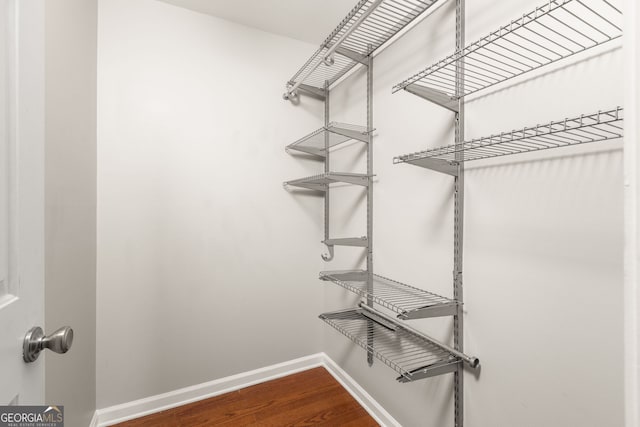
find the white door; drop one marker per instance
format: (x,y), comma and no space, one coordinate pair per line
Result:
(21,195)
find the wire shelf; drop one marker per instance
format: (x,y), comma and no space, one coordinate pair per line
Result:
(407,301)
(314,143)
(387,18)
(554,31)
(410,355)
(321,182)
(600,126)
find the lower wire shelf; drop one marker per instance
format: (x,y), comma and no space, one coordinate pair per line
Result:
(410,355)
(406,301)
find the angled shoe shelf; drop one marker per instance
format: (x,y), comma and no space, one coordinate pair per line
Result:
(411,354)
(596,127)
(556,30)
(333,134)
(406,301)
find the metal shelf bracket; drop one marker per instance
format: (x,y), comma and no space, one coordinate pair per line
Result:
(348,241)
(437,97)
(352,54)
(437,165)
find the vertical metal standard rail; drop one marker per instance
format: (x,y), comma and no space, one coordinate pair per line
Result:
(370,192)
(326,170)
(458,323)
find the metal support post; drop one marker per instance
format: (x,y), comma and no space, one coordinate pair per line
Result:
(370,191)
(327,168)
(458,321)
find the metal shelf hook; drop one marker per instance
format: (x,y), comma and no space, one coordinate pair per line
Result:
(329,256)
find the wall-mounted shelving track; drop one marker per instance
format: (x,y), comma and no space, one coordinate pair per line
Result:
(583,129)
(556,30)
(412,354)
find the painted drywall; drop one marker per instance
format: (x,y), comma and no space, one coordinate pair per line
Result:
(631,186)
(206,265)
(204,262)
(543,251)
(289,18)
(70,197)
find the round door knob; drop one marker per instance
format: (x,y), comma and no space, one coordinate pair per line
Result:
(35,341)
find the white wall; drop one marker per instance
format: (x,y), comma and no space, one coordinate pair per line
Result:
(543,238)
(631,184)
(70,269)
(206,265)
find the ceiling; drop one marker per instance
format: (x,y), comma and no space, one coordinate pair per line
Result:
(307,20)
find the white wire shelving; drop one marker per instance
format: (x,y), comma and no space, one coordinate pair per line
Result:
(369,25)
(337,133)
(406,301)
(322,181)
(596,127)
(556,30)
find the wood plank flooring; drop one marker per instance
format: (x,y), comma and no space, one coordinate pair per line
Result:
(309,398)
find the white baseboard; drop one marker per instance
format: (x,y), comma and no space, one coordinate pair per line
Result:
(365,400)
(139,408)
(94,420)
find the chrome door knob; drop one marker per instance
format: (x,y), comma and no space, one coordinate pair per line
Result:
(35,341)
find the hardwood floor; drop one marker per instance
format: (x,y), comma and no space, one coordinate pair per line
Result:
(309,398)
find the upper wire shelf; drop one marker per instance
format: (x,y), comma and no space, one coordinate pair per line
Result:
(600,126)
(409,354)
(369,25)
(322,181)
(554,31)
(407,301)
(338,133)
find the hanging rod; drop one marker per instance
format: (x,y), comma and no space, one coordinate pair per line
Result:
(369,25)
(596,127)
(556,30)
(411,356)
(473,362)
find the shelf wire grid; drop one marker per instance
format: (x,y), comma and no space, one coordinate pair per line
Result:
(389,17)
(554,31)
(400,349)
(322,181)
(407,301)
(314,143)
(600,126)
